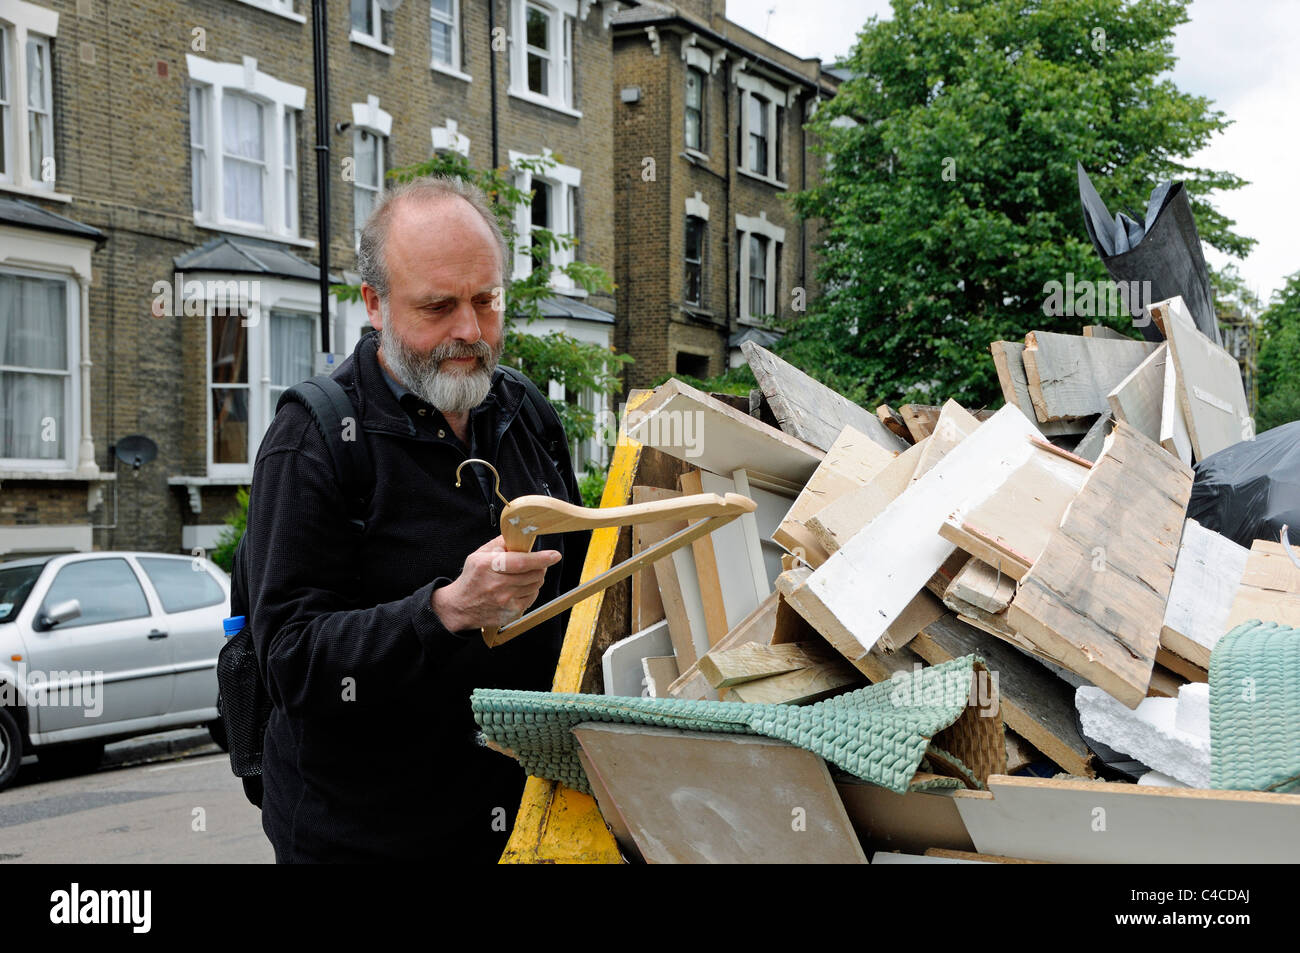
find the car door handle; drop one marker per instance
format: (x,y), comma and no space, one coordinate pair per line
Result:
(157,634)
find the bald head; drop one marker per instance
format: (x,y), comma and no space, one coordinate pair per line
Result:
(434,203)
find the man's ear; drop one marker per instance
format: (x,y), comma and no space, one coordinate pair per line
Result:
(373,310)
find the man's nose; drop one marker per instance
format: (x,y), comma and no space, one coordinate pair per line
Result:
(466,327)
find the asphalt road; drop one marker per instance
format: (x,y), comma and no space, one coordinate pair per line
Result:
(166,798)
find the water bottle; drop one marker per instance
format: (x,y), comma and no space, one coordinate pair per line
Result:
(233,624)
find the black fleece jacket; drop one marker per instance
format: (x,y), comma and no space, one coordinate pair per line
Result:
(371,751)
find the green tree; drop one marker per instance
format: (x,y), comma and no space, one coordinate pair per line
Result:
(554,356)
(1279,358)
(952,194)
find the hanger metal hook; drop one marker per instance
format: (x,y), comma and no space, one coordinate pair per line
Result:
(496,476)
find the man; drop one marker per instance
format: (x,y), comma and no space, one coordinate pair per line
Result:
(371,644)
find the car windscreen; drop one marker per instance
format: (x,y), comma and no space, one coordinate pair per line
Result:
(15,586)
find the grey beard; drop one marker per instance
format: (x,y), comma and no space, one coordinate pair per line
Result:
(451,391)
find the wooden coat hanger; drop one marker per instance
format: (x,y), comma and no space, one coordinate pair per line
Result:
(526,518)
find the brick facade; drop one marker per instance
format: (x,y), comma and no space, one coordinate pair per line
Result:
(652,51)
(122,148)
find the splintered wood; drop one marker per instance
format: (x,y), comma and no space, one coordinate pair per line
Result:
(1069,376)
(807,408)
(1095,599)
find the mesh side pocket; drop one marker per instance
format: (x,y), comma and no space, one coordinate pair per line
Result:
(245,704)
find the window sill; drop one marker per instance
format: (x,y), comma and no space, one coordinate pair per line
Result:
(765,179)
(28,190)
(362,39)
(295,17)
(70,476)
(531,97)
(194,485)
(695,155)
(252,232)
(446,70)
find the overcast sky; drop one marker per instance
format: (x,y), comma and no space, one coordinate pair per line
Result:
(1240,53)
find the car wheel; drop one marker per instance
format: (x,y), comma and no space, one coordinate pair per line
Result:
(11,748)
(77,757)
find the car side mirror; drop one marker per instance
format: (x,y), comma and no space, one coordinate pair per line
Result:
(62,612)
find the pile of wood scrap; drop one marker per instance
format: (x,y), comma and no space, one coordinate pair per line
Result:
(1048,537)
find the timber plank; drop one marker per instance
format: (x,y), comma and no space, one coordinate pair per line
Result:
(692,426)
(1008,360)
(706,568)
(853,460)
(1206,578)
(1095,599)
(808,409)
(836,522)
(864,586)
(1209,384)
(745,663)
(1035,703)
(1139,398)
(1174,435)
(802,686)
(1270,587)
(1069,375)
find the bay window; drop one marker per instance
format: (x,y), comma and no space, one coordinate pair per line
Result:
(38,355)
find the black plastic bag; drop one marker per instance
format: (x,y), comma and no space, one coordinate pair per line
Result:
(1250,490)
(1165,250)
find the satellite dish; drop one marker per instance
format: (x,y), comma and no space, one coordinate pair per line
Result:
(136,450)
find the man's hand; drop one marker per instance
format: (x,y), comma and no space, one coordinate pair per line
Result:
(494,588)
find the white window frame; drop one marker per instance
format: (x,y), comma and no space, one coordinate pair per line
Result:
(448,138)
(7,111)
(70,423)
(367,117)
(456,68)
(757,225)
(23,22)
(277,98)
(560,74)
(374,41)
(750,86)
(265,296)
(283,8)
(564,180)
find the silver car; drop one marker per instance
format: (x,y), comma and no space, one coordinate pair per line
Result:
(95,647)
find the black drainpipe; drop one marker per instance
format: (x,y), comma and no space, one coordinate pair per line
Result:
(728,228)
(492,76)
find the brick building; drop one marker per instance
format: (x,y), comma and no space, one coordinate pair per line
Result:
(708,135)
(158,218)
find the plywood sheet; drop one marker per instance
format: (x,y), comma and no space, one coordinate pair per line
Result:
(697,797)
(1095,822)
(1095,599)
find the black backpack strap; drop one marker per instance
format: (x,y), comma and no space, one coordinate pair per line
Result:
(331,409)
(543,420)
